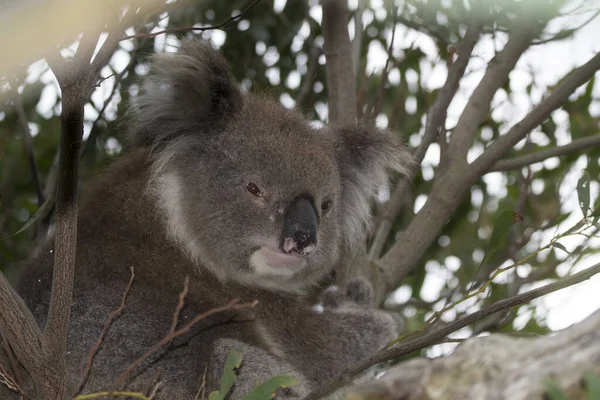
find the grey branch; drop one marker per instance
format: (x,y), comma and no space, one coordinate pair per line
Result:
(435,121)
(19,328)
(55,333)
(358,36)
(577,145)
(496,367)
(338,52)
(496,75)
(345,377)
(556,99)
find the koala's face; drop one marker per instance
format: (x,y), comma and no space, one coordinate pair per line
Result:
(247,188)
(261,202)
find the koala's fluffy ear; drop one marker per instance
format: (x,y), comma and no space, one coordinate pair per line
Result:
(366,155)
(188,92)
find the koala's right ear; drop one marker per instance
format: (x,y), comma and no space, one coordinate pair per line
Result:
(188,92)
(366,155)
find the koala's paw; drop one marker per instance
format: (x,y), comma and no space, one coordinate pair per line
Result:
(358,291)
(357,298)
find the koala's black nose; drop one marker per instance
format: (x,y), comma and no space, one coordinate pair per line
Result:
(299,228)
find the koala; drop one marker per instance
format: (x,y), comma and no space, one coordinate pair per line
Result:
(245,199)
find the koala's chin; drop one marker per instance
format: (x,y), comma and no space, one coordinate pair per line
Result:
(273,262)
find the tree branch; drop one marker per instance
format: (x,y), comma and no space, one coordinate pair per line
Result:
(341,84)
(495,77)
(344,377)
(575,146)
(435,120)
(19,328)
(28,142)
(556,99)
(55,333)
(358,36)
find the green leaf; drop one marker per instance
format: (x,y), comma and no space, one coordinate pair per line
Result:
(583,193)
(234,360)
(592,385)
(553,392)
(266,390)
(560,247)
(215,396)
(502,225)
(31,220)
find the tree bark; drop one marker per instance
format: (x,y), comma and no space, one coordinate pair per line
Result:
(496,367)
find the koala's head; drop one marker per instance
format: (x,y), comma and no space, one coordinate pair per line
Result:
(250,190)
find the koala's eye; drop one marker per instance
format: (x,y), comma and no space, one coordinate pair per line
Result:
(326,206)
(252,188)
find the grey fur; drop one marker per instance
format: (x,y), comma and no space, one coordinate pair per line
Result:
(176,205)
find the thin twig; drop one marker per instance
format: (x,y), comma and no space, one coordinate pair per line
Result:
(90,396)
(180,305)
(28,142)
(86,371)
(194,28)
(345,377)
(8,380)
(11,360)
(584,143)
(200,393)
(378,99)
(233,305)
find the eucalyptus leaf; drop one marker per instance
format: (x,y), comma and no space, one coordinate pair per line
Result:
(583,193)
(234,360)
(502,226)
(31,220)
(553,392)
(266,390)
(592,385)
(560,247)
(215,396)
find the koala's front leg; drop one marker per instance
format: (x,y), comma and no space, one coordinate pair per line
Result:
(369,328)
(257,367)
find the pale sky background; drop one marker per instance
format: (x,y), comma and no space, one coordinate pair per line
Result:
(549,63)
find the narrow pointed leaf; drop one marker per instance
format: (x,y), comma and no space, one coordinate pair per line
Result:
(592,385)
(583,193)
(560,247)
(234,360)
(31,220)
(266,390)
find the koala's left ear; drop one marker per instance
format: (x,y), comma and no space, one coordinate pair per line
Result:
(366,155)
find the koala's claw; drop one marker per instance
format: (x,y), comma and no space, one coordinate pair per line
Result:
(360,291)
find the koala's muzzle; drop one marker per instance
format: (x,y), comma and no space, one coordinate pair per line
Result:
(299,228)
